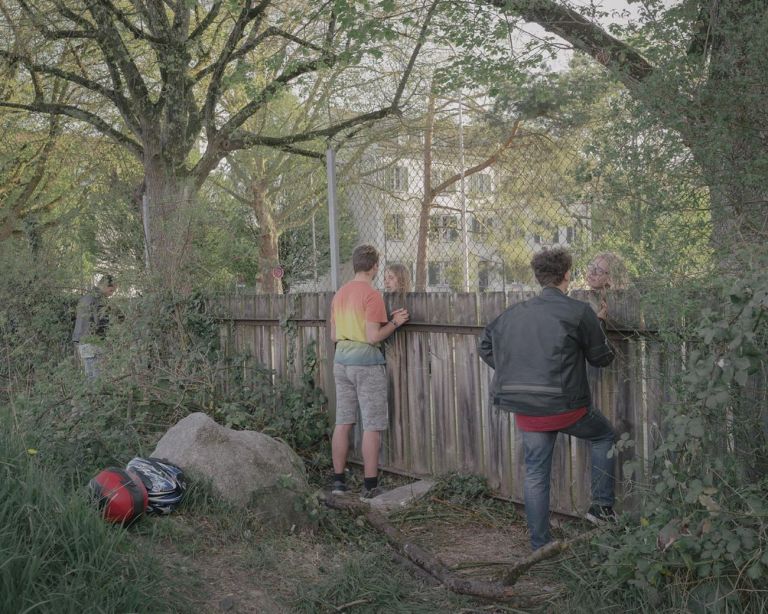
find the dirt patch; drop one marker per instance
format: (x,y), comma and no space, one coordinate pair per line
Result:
(481,552)
(242,572)
(229,588)
(230,567)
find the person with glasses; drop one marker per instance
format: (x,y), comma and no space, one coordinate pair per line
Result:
(606,271)
(610,290)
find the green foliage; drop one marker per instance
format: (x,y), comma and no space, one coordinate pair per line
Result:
(36,316)
(701,539)
(460,488)
(59,555)
(292,411)
(162,360)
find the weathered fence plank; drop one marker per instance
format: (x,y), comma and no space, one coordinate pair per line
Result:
(440,414)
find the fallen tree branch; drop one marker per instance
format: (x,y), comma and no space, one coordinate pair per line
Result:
(549,551)
(429,562)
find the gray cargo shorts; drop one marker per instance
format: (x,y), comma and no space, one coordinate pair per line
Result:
(363,387)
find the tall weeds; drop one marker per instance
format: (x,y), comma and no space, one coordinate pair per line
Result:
(58,555)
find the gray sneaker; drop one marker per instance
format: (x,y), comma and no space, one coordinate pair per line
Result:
(370,493)
(339,488)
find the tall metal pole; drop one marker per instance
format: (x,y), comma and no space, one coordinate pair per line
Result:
(464,233)
(314,250)
(330,163)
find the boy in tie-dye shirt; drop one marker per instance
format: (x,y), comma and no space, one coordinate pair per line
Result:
(358,324)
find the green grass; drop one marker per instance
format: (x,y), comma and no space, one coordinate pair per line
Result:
(58,555)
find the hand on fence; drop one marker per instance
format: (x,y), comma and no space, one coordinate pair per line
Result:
(400,317)
(602,310)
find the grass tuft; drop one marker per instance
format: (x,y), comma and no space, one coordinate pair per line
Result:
(58,555)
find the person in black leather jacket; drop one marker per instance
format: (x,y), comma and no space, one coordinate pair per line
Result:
(538,350)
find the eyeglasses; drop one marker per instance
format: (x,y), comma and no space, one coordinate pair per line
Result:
(594,269)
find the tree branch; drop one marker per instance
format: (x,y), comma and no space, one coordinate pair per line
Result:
(480,166)
(116,98)
(300,151)
(86,32)
(241,199)
(116,55)
(231,138)
(81,115)
(253,41)
(17,205)
(241,116)
(414,54)
(219,66)
(206,21)
(429,562)
(242,139)
(130,26)
(583,34)
(274,31)
(156,17)
(549,551)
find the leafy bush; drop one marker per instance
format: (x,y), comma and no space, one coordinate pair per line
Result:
(701,539)
(163,360)
(37,307)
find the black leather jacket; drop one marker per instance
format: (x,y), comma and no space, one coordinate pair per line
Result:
(538,348)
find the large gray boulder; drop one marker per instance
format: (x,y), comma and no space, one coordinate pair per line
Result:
(247,468)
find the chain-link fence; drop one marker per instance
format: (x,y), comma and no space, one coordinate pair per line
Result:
(462,209)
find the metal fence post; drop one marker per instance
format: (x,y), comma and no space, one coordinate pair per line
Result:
(330,159)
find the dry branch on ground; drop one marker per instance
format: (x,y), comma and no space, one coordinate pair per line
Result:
(431,564)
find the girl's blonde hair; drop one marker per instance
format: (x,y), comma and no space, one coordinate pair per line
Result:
(403,276)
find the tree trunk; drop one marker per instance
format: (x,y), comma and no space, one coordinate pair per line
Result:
(269,253)
(422,245)
(171,223)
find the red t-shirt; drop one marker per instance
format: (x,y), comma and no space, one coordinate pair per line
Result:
(549,423)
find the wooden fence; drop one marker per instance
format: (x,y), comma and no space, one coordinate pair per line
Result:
(440,419)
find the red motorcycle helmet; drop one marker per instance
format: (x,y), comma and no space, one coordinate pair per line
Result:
(120,495)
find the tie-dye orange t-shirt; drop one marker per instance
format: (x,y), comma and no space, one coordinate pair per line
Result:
(354,304)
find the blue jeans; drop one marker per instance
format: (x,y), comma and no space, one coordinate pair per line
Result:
(593,427)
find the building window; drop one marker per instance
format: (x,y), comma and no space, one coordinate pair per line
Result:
(437,273)
(480,183)
(570,234)
(397,178)
(555,236)
(443,228)
(394,227)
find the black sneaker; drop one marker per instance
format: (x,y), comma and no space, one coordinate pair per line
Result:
(338,488)
(370,493)
(601,514)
